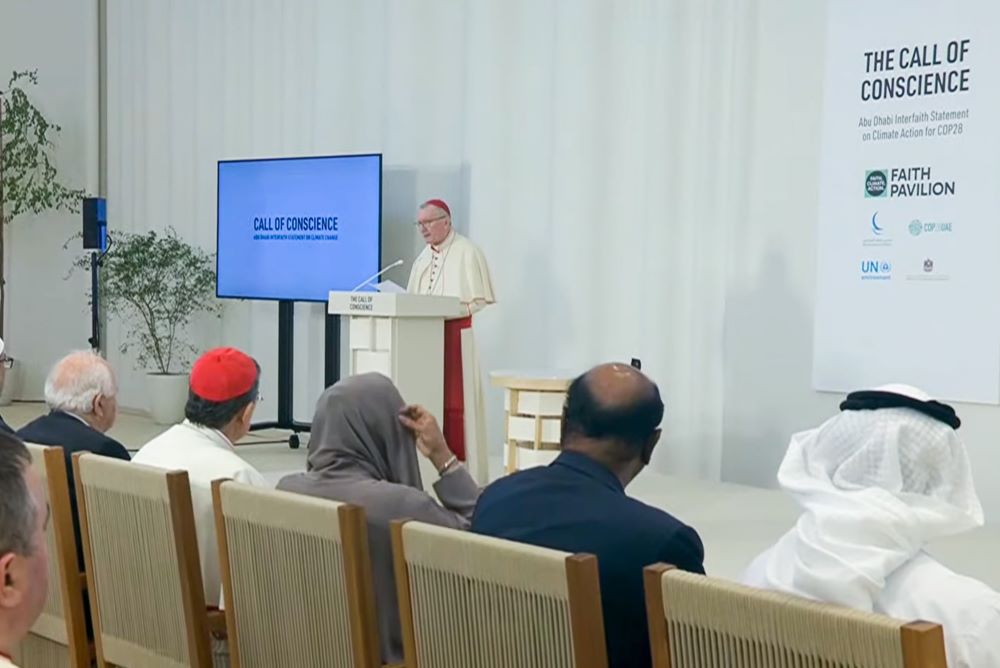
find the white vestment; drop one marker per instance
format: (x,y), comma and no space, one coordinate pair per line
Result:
(875,487)
(456,268)
(207,455)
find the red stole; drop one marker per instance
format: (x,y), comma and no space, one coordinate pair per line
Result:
(454,395)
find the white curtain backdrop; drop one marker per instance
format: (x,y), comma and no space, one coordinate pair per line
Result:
(47,310)
(596,150)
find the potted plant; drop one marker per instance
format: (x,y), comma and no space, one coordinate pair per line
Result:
(29,181)
(155,283)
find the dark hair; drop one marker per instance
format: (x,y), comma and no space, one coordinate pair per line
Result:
(217,414)
(631,424)
(17,508)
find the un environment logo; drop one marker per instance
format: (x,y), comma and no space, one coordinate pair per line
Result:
(875,183)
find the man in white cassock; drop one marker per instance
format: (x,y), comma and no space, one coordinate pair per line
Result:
(877,483)
(452,266)
(222,397)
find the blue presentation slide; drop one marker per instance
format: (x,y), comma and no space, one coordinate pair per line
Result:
(296,228)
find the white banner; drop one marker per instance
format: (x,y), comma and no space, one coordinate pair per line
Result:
(908,246)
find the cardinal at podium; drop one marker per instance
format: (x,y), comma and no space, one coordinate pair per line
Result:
(451,266)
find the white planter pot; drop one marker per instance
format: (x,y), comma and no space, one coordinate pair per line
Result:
(11,385)
(167,396)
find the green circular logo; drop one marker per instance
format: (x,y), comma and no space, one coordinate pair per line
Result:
(875,183)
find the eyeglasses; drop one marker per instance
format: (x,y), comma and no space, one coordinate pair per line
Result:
(7,362)
(427,223)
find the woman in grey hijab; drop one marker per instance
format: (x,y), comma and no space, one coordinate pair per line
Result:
(363,451)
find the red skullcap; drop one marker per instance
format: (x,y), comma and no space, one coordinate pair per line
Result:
(222,374)
(439,203)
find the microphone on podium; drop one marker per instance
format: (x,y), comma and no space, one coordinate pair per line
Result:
(377,274)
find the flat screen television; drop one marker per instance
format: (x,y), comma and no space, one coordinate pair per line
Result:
(295,228)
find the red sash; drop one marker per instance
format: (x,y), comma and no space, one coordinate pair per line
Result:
(454,395)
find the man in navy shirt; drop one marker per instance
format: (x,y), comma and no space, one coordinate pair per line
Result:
(578,503)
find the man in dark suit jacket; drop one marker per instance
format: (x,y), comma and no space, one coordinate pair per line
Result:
(578,503)
(80,392)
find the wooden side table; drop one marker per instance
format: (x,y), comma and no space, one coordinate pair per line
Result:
(533,405)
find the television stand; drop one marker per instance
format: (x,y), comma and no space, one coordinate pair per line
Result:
(286,373)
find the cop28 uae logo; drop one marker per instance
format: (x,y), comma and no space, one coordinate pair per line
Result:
(876,183)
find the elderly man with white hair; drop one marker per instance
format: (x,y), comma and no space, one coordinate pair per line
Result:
(80,392)
(877,483)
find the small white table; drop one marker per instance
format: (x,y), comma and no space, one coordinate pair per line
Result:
(533,405)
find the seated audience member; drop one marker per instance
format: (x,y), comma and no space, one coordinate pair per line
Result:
(24,570)
(363,450)
(4,427)
(81,395)
(578,503)
(876,483)
(222,396)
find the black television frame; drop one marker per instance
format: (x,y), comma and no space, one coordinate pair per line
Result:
(218,165)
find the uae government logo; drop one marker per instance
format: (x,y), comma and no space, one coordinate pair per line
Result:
(876,183)
(931,273)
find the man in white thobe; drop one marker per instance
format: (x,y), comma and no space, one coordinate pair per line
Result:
(877,483)
(219,410)
(451,265)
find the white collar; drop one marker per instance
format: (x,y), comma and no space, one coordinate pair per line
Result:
(217,438)
(448,240)
(74,415)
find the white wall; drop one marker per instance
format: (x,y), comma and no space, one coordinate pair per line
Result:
(770,292)
(642,176)
(579,142)
(48,315)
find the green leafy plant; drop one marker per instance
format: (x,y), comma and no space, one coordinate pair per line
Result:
(156,283)
(29,181)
